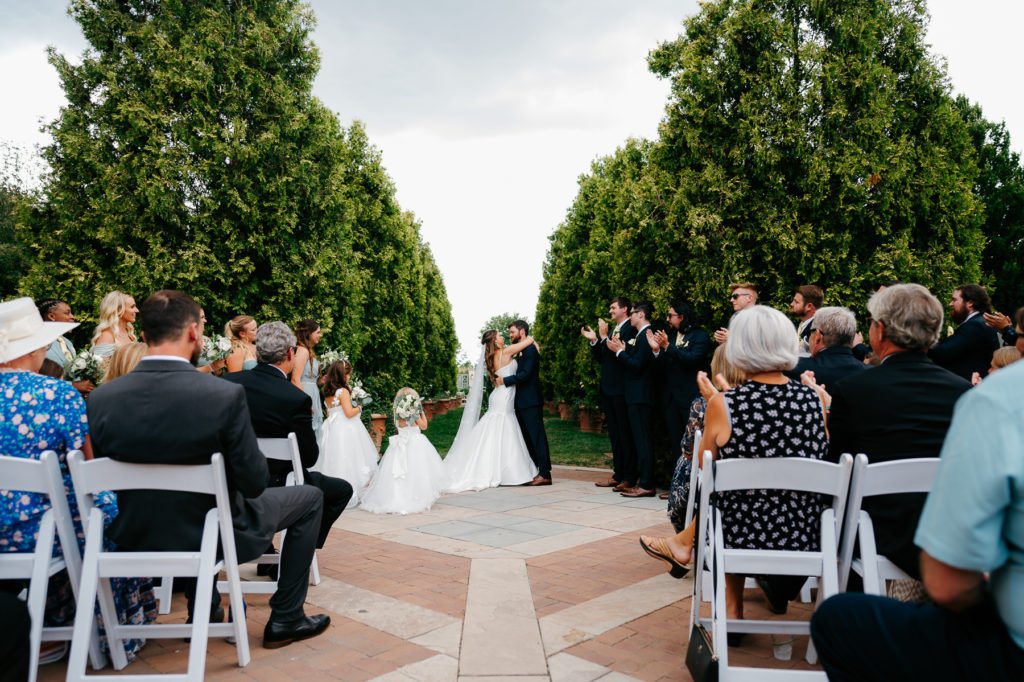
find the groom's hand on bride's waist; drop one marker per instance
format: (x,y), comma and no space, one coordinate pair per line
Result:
(499,380)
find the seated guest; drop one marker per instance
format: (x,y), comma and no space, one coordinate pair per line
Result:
(51,369)
(970,347)
(898,410)
(166,412)
(43,413)
(831,344)
(124,360)
(62,351)
(744,422)
(971,564)
(277,407)
(1006,355)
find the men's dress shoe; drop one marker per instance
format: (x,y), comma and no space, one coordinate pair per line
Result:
(216,616)
(637,492)
(540,480)
(277,635)
(625,485)
(267,570)
(609,483)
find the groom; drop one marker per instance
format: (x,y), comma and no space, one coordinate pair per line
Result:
(529,402)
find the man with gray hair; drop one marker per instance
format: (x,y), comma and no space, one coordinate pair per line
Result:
(898,410)
(831,345)
(276,408)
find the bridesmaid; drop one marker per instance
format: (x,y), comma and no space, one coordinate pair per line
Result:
(116,327)
(306,370)
(242,332)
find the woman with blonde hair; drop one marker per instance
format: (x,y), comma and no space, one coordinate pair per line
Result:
(241,329)
(116,328)
(124,360)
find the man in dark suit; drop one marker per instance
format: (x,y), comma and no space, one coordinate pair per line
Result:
(166,412)
(970,347)
(898,410)
(681,353)
(637,358)
(613,400)
(529,401)
(277,407)
(831,343)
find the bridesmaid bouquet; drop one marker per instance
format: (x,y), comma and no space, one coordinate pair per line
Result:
(216,348)
(408,408)
(85,367)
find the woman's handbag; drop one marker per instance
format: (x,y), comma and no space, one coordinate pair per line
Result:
(701,660)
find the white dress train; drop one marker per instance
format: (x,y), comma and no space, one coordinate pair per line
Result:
(347,451)
(408,479)
(494,453)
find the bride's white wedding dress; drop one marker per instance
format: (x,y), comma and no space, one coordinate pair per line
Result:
(494,452)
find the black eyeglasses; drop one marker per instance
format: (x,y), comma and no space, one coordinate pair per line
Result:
(735,296)
(671,315)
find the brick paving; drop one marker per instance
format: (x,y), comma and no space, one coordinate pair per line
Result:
(398,597)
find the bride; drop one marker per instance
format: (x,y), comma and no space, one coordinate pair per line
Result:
(490,451)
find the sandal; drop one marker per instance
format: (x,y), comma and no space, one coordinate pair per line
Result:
(675,569)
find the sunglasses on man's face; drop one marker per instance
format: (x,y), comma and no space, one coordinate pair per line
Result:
(735,296)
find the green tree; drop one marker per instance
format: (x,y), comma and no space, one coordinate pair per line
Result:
(501,322)
(13,195)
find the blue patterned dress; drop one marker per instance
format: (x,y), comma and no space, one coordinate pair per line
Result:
(39,413)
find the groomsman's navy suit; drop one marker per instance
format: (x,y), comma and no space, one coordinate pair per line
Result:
(680,363)
(638,360)
(969,349)
(529,402)
(613,404)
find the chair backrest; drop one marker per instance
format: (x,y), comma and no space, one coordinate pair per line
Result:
(694,475)
(284,450)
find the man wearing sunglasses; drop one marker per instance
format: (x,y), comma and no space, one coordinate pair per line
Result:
(743,295)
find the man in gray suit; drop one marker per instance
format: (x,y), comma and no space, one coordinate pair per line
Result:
(166,412)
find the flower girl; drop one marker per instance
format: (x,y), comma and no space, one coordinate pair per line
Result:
(346,449)
(409,477)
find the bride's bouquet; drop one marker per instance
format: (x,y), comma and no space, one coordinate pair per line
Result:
(84,367)
(359,395)
(408,408)
(215,348)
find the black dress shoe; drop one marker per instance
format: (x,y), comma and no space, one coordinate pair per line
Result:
(267,571)
(277,635)
(216,616)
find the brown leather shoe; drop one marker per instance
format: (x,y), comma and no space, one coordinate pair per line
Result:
(663,496)
(610,482)
(637,492)
(625,485)
(539,480)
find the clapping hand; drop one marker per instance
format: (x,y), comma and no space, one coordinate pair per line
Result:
(602,327)
(722,335)
(589,334)
(996,320)
(615,345)
(858,339)
(652,340)
(975,378)
(707,389)
(662,338)
(807,379)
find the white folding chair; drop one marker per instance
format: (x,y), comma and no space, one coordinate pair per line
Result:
(93,476)
(790,473)
(869,480)
(284,450)
(694,476)
(43,476)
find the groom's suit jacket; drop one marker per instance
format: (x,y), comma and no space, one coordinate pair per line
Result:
(527,379)
(278,407)
(166,412)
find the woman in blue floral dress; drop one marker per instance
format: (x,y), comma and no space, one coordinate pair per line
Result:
(37,414)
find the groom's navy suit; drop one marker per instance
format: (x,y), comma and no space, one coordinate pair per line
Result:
(529,402)
(638,360)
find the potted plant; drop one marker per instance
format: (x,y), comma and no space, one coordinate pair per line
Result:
(591,419)
(378,424)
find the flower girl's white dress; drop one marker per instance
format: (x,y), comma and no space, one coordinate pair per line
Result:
(346,450)
(408,479)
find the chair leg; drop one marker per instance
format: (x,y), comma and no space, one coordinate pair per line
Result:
(85,620)
(314,571)
(164,594)
(111,624)
(37,591)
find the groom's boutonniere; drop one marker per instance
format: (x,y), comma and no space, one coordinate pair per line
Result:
(517,355)
(681,342)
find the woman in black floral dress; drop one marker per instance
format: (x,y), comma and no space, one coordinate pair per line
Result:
(769,416)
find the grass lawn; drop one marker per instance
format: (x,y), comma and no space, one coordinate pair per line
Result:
(568,445)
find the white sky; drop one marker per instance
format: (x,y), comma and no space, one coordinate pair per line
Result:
(487,113)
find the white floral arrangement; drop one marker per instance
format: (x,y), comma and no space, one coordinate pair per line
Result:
(215,348)
(359,395)
(84,367)
(408,408)
(329,356)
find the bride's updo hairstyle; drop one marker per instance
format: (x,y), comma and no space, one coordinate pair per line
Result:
(112,309)
(336,377)
(491,352)
(235,326)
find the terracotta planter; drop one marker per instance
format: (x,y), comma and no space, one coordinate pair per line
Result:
(440,407)
(378,422)
(428,409)
(453,403)
(591,420)
(550,406)
(563,410)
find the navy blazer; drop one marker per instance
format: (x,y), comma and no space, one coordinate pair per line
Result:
(829,366)
(613,376)
(638,361)
(681,363)
(969,349)
(166,412)
(278,407)
(527,379)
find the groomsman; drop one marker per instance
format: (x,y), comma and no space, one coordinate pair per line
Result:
(680,356)
(613,399)
(637,358)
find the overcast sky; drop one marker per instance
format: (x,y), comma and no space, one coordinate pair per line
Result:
(487,113)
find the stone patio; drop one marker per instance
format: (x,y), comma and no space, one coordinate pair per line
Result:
(504,584)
